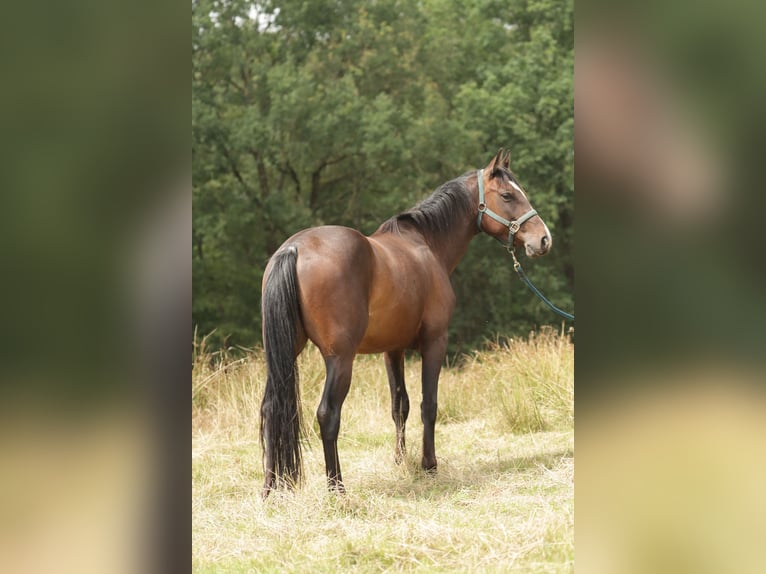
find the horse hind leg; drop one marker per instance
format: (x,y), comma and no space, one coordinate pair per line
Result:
(328,414)
(400,402)
(269,464)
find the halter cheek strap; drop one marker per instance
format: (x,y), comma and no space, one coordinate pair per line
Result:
(513,226)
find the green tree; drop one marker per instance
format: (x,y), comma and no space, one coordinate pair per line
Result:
(347,112)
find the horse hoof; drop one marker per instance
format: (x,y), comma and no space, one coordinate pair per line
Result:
(266,490)
(336,487)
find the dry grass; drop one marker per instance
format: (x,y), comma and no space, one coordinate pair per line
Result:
(502,499)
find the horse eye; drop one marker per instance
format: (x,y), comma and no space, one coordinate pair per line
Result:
(506,196)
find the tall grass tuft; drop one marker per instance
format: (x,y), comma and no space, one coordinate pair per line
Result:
(524,385)
(536,389)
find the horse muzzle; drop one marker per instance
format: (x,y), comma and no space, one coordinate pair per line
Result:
(539,246)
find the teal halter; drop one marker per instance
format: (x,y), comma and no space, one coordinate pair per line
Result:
(513,226)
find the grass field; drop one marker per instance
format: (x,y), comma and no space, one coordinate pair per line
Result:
(501,501)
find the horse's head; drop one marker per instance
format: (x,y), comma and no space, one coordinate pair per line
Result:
(505,212)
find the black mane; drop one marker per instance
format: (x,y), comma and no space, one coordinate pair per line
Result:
(437,214)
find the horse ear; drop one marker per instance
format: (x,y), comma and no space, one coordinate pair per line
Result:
(496,163)
(507,159)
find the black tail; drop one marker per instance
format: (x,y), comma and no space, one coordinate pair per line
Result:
(281,423)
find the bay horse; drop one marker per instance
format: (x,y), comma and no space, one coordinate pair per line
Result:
(385,293)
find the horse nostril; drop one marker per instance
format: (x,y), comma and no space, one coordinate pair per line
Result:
(544,241)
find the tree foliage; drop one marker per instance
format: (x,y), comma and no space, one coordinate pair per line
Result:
(349,111)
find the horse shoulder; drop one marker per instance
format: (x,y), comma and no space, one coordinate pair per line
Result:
(441,288)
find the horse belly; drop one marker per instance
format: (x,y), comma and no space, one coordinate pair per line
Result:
(391,328)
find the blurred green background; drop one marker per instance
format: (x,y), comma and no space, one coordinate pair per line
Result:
(347,112)
(669,371)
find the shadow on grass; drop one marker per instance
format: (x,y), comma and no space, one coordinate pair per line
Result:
(410,481)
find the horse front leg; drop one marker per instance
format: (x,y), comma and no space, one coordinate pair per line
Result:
(400,402)
(433,354)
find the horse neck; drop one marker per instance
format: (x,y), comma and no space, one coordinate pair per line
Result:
(454,246)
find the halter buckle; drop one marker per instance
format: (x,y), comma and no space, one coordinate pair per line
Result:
(514,227)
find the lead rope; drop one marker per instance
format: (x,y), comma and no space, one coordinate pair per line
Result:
(535,290)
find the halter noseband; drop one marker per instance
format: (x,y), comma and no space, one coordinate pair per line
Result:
(513,226)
